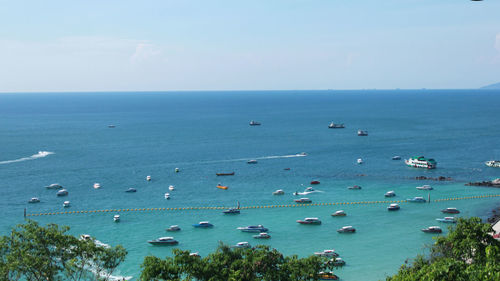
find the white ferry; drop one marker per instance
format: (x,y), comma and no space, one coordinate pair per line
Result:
(493,163)
(421,162)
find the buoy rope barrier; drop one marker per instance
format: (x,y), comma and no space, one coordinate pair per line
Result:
(251,207)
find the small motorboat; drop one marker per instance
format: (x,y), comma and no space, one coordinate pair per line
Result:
(34,200)
(131,190)
(194,254)
(97,185)
(111,126)
(262,235)
(148,178)
(346,229)
(54,186)
(312,221)
(335,126)
(303,200)
(171,187)
(232,211)
(447,220)
(220,186)
(164,241)
(416,200)
(354,187)
(393,207)
(253,161)
(286,169)
(432,229)
(279,192)
(396,157)
(253,228)
(167,196)
(254,123)
(242,245)
(203,224)
(66,204)
(174,228)
(315,182)
(177,170)
(62,192)
(225,174)
(116,218)
(337,262)
(362,133)
(327,276)
(360,161)
(424,187)
(390,194)
(302,154)
(450,211)
(327,253)
(339,213)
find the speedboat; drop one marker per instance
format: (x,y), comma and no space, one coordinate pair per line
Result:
(54,186)
(66,204)
(346,229)
(242,245)
(493,163)
(337,262)
(262,235)
(447,220)
(314,182)
(396,157)
(315,221)
(177,170)
(360,161)
(279,192)
(303,200)
(111,126)
(167,196)
(62,192)
(116,218)
(393,207)
(220,186)
(417,200)
(253,228)
(335,126)
(171,187)
(203,224)
(354,187)
(254,123)
(302,154)
(424,187)
(253,161)
(390,194)
(194,254)
(225,174)
(339,213)
(97,185)
(327,253)
(327,276)
(131,190)
(432,229)
(231,211)
(148,178)
(362,133)
(306,191)
(174,228)
(34,200)
(450,211)
(164,241)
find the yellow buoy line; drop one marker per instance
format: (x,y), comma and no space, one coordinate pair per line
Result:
(251,207)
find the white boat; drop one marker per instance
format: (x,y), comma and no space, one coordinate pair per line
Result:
(336,126)
(66,204)
(303,200)
(433,229)
(447,220)
(116,218)
(397,157)
(390,194)
(493,163)
(327,253)
(62,192)
(164,241)
(393,207)
(262,235)
(254,123)
(360,161)
(54,186)
(424,187)
(34,200)
(347,229)
(421,162)
(148,178)
(279,192)
(417,200)
(253,161)
(312,221)
(174,228)
(242,245)
(97,185)
(167,195)
(177,170)
(253,228)
(362,133)
(339,213)
(171,187)
(354,187)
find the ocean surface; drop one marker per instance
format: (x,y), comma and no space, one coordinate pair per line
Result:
(64,138)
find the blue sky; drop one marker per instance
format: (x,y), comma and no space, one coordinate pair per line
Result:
(155,45)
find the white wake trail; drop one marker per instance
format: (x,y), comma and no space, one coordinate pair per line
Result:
(40,154)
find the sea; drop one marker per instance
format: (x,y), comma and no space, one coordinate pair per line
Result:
(66,138)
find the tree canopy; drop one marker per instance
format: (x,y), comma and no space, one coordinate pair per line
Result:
(34,252)
(468,252)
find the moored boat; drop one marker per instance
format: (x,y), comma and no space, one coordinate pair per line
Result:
(315,182)
(450,211)
(131,190)
(262,235)
(62,192)
(390,194)
(362,133)
(253,161)
(327,253)
(225,174)
(97,185)
(66,204)
(164,241)
(148,178)
(421,162)
(397,157)
(360,161)
(336,126)
(34,200)
(254,123)
(493,163)
(354,187)
(220,186)
(346,229)
(116,218)
(173,228)
(231,211)
(336,262)
(313,221)
(279,192)
(203,224)
(424,187)
(171,187)
(339,213)
(447,220)
(327,276)
(416,200)
(393,207)
(54,186)
(303,200)
(242,245)
(253,228)
(432,229)
(167,196)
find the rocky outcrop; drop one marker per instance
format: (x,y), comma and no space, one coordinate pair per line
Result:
(493,183)
(441,178)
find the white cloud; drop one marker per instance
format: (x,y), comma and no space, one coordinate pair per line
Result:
(145,52)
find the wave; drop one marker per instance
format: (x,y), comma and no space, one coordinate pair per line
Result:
(40,154)
(246,159)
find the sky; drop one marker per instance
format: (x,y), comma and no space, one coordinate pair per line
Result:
(182,45)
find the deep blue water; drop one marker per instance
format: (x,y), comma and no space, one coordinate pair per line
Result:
(207,132)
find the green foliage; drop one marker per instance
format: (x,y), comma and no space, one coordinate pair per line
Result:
(226,263)
(469,252)
(34,252)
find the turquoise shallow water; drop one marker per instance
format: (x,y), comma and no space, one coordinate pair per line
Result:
(207,132)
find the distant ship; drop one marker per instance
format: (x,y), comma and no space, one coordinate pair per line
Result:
(254,123)
(421,162)
(336,126)
(362,133)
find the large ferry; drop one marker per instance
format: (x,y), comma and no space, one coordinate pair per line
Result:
(421,162)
